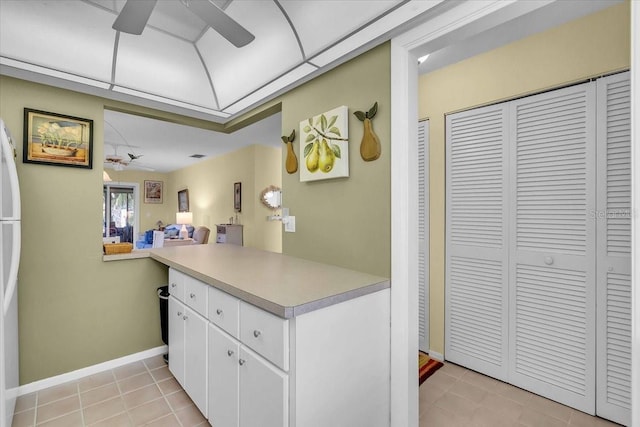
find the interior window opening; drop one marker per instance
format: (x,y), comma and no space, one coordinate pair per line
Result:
(119,208)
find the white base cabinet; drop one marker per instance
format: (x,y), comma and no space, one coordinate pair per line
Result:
(327,367)
(244,389)
(188,339)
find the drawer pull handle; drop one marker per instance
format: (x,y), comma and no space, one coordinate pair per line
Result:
(229,353)
(548,260)
(256,333)
(241,361)
(218,312)
(192,295)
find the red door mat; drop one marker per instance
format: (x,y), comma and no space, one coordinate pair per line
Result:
(426,366)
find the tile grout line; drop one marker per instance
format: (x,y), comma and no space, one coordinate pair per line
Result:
(120,394)
(80,403)
(164,396)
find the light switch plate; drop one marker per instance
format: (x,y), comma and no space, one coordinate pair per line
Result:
(290,225)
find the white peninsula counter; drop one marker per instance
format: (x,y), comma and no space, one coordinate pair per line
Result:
(264,339)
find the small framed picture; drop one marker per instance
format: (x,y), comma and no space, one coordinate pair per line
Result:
(56,139)
(237,196)
(153,191)
(183,200)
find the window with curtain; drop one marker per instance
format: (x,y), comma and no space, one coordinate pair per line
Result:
(119,211)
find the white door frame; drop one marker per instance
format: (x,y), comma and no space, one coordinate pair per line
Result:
(635,209)
(405,50)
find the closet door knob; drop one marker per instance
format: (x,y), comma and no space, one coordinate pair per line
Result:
(179,313)
(256,333)
(218,312)
(173,285)
(192,296)
(229,353)
(185,317)
(241,362)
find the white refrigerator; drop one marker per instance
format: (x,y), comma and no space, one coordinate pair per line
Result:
(9,262)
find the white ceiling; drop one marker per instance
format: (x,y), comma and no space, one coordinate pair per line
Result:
(178,63)
(166,146)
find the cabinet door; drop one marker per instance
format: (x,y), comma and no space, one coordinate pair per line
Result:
(176,339)
(264,392)
(195,359)
(223,378)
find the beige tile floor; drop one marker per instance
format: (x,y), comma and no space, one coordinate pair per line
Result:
(141,393)
(145,393)
(454,396)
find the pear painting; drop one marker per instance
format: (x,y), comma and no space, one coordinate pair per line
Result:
(324,146)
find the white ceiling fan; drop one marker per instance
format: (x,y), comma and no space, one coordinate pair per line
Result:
(118,162)
(134,16)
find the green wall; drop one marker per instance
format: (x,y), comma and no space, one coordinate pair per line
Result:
(74,309)
(588,47)
(344,221)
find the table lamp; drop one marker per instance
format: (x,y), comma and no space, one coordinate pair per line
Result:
(184,218)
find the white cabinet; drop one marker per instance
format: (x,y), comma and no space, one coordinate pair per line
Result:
(229,233)
(264,392)
(224,383)
(188,336)
(244,388)
(253,368)
(195,358)
(176,339)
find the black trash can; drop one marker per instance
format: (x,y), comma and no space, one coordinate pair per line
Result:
(163,294)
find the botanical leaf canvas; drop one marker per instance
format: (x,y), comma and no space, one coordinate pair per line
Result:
(324,145)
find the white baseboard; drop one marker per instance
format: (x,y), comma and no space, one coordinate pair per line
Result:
(89,370)
(436,356)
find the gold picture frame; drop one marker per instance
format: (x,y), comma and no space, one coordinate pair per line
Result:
(152,191)
(183,200)
(56,139)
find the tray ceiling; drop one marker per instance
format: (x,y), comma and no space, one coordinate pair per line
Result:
(180,64)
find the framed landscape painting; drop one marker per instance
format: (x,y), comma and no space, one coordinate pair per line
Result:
(153,191)
(56,139)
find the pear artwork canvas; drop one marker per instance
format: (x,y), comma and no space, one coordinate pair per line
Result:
(324,146)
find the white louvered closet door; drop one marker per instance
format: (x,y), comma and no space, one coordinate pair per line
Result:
(552,245)
(476,244)
(613,216)
(423,236)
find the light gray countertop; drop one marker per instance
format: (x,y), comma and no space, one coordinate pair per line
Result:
(283,285)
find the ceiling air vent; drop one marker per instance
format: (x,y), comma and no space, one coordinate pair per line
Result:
(197,156)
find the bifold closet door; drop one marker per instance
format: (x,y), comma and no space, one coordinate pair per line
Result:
(476,242)
(423,236)
(552,339)
(613,217)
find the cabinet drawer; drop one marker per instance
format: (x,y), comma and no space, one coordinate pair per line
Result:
(224,310)
(265,333)
(176,284)
(195,295)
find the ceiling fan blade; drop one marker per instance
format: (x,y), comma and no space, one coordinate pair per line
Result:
(217,19)
(134,16)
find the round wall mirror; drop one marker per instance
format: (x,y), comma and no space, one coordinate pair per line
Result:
(271,197)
